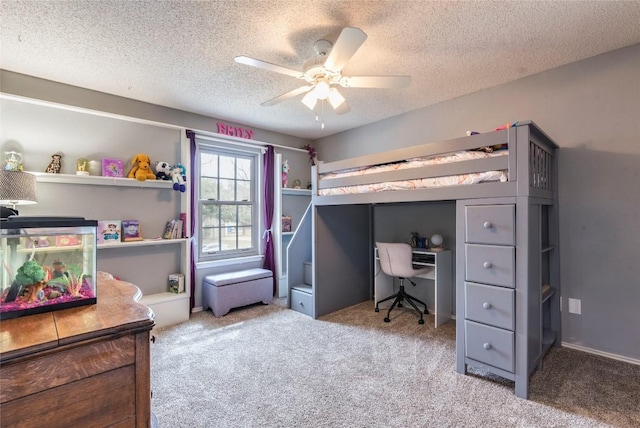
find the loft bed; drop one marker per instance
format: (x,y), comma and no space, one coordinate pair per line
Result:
(521,165)
(516,185)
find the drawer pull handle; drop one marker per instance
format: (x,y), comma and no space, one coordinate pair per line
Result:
(487,346)
(487,265)
(486,305)
(301,304)
(487,225)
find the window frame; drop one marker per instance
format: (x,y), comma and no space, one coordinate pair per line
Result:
(216,147)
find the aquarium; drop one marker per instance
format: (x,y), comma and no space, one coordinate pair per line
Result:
(48,263)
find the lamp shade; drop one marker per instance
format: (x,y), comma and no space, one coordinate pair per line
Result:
(17,188)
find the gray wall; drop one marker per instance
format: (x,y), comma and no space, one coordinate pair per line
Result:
(592,110)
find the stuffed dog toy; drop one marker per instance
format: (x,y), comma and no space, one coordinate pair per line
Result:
(141,170)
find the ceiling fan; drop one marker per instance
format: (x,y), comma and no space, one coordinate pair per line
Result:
(323,73)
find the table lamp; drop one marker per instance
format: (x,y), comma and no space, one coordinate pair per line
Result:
(16,188)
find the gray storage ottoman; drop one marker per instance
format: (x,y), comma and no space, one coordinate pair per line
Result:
(223,291)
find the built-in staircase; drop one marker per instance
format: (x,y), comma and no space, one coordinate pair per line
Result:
(300,267)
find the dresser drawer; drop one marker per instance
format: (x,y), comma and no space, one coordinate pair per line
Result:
(302,302)
(491,224)
(489,345)
(490,264)
(490,305)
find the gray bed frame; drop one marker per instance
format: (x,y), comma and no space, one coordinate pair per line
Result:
(342,236)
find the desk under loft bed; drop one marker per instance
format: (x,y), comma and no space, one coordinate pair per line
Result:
(506,261)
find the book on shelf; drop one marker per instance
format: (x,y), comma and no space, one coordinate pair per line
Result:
(168,229)
(183,218)
(109,231)
(173,229)
(131,230)
(176,283)
(177,230)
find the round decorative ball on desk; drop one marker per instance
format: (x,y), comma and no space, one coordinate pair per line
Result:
(436,242)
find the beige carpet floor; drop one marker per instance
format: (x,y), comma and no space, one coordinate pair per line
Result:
(267,366)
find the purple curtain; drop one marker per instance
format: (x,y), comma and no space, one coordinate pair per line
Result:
(192,179)
(269,260)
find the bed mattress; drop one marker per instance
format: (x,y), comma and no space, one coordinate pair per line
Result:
(421,183)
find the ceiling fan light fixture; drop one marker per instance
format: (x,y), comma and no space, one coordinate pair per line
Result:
(335,98)
(310,100)
(322,89)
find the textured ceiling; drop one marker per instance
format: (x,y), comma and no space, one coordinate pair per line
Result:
(180,54)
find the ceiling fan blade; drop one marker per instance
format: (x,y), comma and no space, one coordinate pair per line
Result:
(268,66)
(349,41)
(287,95)
(393,82)
(343,108)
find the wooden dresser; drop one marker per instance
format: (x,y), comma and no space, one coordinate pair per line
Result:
(84,366)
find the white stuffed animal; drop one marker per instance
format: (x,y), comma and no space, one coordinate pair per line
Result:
(178,177)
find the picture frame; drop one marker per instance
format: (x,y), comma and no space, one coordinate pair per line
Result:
(286,223)
(131,230)
(112,167)
(109,231)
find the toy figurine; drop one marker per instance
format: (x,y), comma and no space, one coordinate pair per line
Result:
(55,165)
(82,166)
(59,269)
(178,176)
(285,171)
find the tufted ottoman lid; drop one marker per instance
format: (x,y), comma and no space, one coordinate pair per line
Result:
(222,279)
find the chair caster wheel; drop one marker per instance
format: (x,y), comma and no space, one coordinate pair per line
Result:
(377,310)
(387,320)
(420,321)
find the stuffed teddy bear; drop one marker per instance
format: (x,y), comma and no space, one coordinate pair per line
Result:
(141,170)
(163,170)
(178,177)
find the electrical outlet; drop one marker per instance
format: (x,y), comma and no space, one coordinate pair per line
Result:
(575,306)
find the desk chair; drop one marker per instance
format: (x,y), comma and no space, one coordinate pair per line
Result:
(396,261)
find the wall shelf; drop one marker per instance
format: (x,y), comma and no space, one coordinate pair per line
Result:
(93,180)
(143,243)
(163,297)
(296,192)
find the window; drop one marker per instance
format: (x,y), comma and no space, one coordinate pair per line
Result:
(228,207)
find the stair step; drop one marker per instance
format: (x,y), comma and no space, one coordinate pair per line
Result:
(304,288)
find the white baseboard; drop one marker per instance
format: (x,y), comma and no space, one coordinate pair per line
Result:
(601,353)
